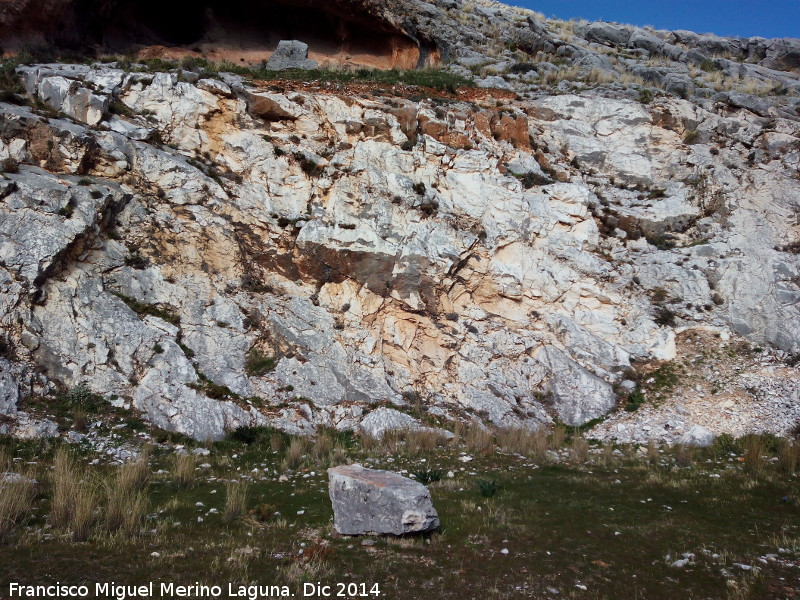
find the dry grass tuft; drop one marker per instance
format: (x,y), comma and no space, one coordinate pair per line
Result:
(5,461)
(557,437)
(523,441)
(64,481)
(183,466)
(684,455)
(754,454)
(323,445)
(788,456)
(653,454)
(579,449)
(477,438)
(135,475)
(235,500)
(74,505)
(606,456)
(422,441)
(16,503)
(315,563)
(294,455)
(126,497)
(564,73)
(80,420)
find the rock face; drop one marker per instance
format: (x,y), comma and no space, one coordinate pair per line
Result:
(9,388)
(212,251)
(290,54)
(372,501)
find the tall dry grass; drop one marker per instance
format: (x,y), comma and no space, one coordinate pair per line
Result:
(653,455)
(16,503)
(523,441)
(422,441)
(754,447)
(235,500)
(475,437)
(127,501)
(558,436)
(183,466)
(323,445)
(74,506)
(579,449)
(788,456)
(294,455)
(684,455)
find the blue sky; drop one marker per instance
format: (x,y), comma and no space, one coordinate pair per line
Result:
(766,18)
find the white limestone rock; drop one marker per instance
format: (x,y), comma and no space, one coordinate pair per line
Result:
(372,501)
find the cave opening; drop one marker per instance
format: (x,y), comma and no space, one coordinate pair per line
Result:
(243,31)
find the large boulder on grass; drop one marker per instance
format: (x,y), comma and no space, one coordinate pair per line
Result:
(373,501)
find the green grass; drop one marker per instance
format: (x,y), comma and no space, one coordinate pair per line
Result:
(437,79)
(606,525)
(259,364)
(142,308)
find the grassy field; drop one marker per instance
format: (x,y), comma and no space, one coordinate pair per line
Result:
(560,519)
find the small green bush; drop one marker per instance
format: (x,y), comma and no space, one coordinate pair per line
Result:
(9,165)
(115,107)
(635,400)
(645,96)
(426,476)
(81,396)
(247,434)
(532,179)
(664,317)
(487,487)
(724,445)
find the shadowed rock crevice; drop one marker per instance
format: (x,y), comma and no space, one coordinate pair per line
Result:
(236,30)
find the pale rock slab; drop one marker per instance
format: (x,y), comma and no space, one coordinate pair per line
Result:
(373,501)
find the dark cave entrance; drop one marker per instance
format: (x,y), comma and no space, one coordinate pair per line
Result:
(244,31)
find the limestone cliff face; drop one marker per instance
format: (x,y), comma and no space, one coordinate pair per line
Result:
(491,254)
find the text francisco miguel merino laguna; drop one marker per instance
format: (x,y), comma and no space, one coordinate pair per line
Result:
(193,591)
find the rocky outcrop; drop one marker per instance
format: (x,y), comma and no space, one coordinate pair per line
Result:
(510,264)
(214,252)
(384,420)
(371,501)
